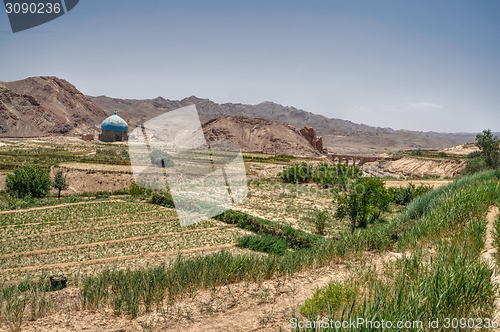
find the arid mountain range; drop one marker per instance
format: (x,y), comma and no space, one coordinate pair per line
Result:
(339,136)
(41,106)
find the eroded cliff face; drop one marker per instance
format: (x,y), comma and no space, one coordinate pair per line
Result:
(316,141)
(258,135)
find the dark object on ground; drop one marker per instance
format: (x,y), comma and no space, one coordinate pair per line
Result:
(57,282)
(103,196)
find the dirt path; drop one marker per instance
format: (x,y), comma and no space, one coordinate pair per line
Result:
(489,252)
(404,183)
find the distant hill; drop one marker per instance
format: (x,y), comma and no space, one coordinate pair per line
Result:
(340,136)
(40,106)
(258,135)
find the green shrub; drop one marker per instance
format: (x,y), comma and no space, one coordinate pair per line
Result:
(29,181)
(442,154)
(403,196)
(398,155)
(475,165)
(135,189)
(328,298)
(320,222)
(417,152)
(297,174)
(323,174)
(365,197)
(475,154)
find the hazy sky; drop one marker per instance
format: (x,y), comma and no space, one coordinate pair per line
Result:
(418,65)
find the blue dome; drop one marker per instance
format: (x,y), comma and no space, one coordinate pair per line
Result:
(114,122)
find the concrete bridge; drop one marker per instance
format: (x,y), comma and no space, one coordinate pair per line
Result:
(353,160)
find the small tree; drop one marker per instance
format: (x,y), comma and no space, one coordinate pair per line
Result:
(60,182)
(489,147)
(28,181)
(359,201)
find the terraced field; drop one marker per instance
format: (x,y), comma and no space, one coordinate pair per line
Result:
(69,238)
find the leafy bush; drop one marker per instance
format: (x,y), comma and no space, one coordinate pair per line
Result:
(163,199)
(403,196)
(296,174)
(323,174)
(135,189)
(270,244)
(475,154)
(443,154)
(29,181)
(475,165)
(417,152)
(364,198)
(398,155)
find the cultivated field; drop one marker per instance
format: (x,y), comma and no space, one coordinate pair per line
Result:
(76,237)
(131,266)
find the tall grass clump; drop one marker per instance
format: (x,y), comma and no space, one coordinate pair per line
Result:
(297,239)
(425,203)
(270,244)
(451,209)
(452,282)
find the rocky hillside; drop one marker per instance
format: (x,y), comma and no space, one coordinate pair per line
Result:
(23,116)
(336,133)
(39,106)
(259,135)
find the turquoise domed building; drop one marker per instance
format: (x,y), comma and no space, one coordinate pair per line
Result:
(113,129)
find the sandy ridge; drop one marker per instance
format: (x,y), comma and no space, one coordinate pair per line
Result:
(489,253)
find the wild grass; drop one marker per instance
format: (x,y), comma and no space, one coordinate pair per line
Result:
(450,282)
(297,239)
(270,244)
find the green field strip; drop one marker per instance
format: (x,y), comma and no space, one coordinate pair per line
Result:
(93,235)
(174,241)
(74,211)
(111,260)
(60,226)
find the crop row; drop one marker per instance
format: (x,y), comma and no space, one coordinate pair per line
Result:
(36,229)
(73,212)
(179,241)
(93,235)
